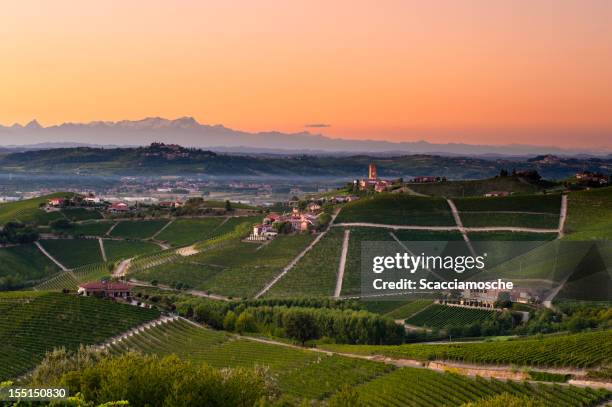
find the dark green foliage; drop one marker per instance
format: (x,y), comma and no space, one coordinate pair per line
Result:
(17,233)
(151,381)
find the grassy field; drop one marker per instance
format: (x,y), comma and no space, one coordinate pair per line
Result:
(76,214)
(474,187)
(398,209)
(29,329)
(24,264)
(578,350)
(141,229)
(117,249)
(187,231)
(589,215)
(73,252)
(520,203)
(28,209)
(316,273)
(442,316)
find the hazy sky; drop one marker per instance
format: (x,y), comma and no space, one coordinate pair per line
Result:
(495,72)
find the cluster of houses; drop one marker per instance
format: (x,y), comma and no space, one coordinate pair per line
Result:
(373,182)
(592,178)
(297,220)
(489,298)
(92,201)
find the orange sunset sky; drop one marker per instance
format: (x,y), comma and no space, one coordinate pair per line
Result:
(486,72)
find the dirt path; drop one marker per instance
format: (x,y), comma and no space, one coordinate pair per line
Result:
(393,235)
(342,265)
(196,293)
(562,217)
(110,230)
(102,251)
(53,259)
(498,372)
(459,223)
(162,229)
(297,258)
(446,228)
(121,269)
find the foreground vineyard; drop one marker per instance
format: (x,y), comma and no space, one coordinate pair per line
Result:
(578,350)
(419,387)
(298,372)
(314,375)
(31,325)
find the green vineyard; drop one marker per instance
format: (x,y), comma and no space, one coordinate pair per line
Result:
(398,209)
(314,375)
(33,325)
(442,316)
(420,387)
(581,350)
(70,279)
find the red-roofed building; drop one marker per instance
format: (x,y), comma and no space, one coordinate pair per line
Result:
(106,289)
(56,201)
(118,207)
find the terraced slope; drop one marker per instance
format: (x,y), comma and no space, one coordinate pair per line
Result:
(36,323)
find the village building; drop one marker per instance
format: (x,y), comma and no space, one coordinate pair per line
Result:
(106,289)
(56,202)
(592,177)
(426,179)
(496,193)
(373,182)
(118,207)
(313,207)
(171,204)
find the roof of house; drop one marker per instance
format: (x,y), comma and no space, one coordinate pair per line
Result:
(105,285)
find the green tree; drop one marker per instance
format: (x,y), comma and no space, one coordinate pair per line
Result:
(300,326)
(229,322)
(246,323)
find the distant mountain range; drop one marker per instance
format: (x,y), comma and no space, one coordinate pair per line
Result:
(188,132)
